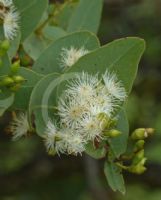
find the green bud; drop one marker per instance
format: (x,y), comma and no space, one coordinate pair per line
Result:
(7,81)
(102,116)
(112,122)
(142,133)
(139,145)
(15,87)
(58,138)
(52,152)
(104,120)
(139,134)
(138,169)
(138,157)
(143,160)
(15,67)
(112,133)
(150,131)
(18,79)
(5,45)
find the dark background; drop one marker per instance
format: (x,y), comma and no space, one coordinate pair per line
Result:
(28,173)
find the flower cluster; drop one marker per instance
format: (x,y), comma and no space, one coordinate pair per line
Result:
(10,18)
(85,112)
(85,109)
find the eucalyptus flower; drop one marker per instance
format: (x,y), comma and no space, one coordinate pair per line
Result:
(6,3)
(54,139)
(19,126)
(103,103)
(85,111)
(114,86)
(10,19)
(69,56)
(71,111)
(74,142)
(63,140)
(11,24)
(90,127)
(83,86)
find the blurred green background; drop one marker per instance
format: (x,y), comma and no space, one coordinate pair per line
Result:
(28,173)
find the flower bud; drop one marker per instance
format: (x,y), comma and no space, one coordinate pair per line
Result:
(104,120)
(15,87)
(150,131)
(138,169)
(15,67)
(112,123)
(58,138)
(5,45)
(7,81)
(112,133)
(139,134)
(18,79)
(143,160)
(52,152)
(138,157)
(139,145)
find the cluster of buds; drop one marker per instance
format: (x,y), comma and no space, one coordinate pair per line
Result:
(12,81)
(142,133)
(137,157)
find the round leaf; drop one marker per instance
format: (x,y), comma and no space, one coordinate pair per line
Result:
(114,177)
(120,56)
(6,100)
(22,96)
(90,18)
(31,12)
(49,60)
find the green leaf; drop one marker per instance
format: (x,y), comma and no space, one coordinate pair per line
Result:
(22,96)
(14,46)
(31,12)
(96,153)
(42,102)
(114,177)
(86,16)
(44,98)
(35,45)
(5,68)
(62,19)
(121,56)
(119,144)
(2,37)
(6,100)
(53,33)
(49,60)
